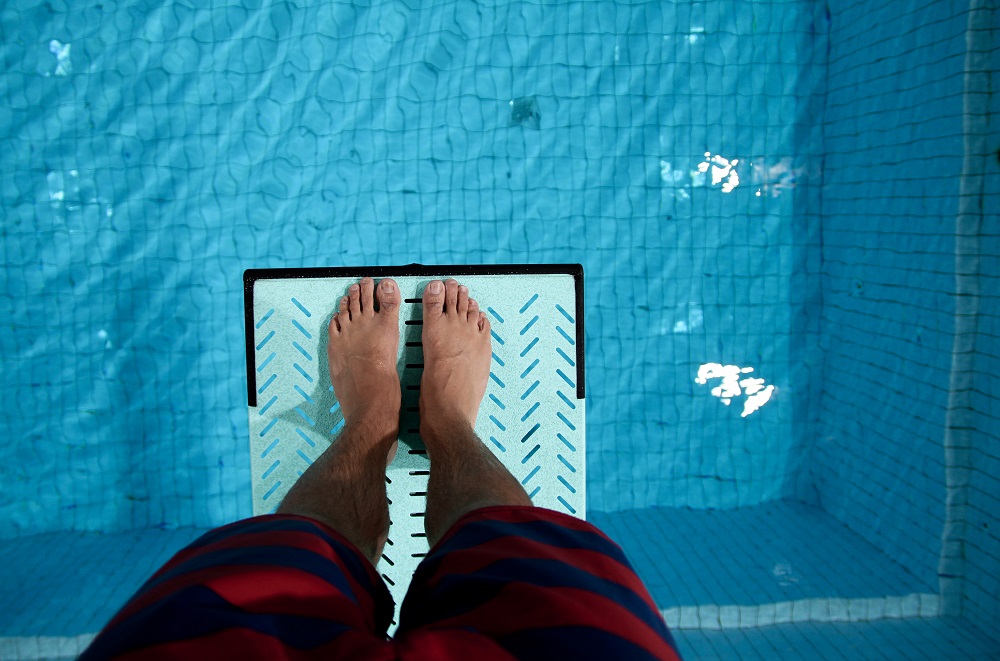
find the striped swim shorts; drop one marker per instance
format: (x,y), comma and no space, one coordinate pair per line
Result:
(504,583)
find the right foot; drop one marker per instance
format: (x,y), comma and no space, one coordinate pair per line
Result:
(362,357)
(457,352)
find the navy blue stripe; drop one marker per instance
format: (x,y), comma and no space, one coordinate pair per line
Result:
(255,525)
(550,532)
(355,564)
(574,643)
(197,611)
(456,594)
(475,533)
(254,557)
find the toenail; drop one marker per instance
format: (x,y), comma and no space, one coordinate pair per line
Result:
(354,288)
(386,286)
(435,287)
(463,289)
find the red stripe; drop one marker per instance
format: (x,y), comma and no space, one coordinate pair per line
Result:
(262,589)
(522,607)
(304,540)
(471,560)
(248,644)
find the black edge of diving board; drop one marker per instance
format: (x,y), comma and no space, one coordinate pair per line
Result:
(250,276)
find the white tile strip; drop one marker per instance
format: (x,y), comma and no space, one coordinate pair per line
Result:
(804,610)
(44,648)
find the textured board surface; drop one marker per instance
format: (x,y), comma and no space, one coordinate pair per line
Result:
(532,417)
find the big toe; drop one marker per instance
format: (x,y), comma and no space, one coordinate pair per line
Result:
(433,299)
(388,297)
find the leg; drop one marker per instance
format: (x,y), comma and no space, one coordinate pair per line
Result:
(465,475)
(269,587)
(345,487)
(503,579)
(286,586)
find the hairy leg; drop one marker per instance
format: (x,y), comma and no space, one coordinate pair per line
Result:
(465,475)
(345,487)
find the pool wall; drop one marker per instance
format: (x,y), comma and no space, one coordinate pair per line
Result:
(909,365)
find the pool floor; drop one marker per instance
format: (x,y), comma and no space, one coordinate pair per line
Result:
(780,580)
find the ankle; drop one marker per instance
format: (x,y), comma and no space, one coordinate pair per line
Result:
(374,423)
(440,411)
(440,427)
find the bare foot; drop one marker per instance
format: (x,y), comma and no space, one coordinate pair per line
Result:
(362,351)
(457,351)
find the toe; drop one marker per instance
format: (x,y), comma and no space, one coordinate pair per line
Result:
(473,310)
(367,296)
(484,323)
(345,312)
(388,296)
(433,299)
(354,294)
(450,295)
(463,301)
(334,327)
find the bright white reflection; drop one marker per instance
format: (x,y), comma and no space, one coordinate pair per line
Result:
(723,171)
(731,386)
(713,171)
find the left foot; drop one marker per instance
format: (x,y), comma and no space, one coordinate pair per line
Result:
(362,352)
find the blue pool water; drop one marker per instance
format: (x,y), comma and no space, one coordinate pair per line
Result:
(786,211)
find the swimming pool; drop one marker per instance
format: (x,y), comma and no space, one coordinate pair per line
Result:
(784,214)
